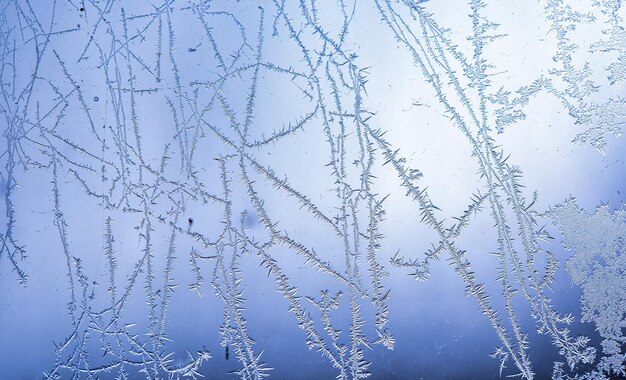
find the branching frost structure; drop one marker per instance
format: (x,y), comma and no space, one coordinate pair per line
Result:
(168,133)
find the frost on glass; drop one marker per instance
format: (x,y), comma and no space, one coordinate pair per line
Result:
(598,266)
(240,189)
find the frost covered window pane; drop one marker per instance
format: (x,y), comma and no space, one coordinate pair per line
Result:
(302,189)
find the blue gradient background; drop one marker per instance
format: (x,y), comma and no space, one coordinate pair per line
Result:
(440,333)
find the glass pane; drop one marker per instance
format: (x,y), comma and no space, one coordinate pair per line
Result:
(312,189)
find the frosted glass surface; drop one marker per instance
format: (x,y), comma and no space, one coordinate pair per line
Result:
(306,189)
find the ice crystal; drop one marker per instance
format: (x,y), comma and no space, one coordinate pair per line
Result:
(207,171)
(598,266)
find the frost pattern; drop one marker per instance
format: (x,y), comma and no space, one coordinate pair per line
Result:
(598,265)
(202,209)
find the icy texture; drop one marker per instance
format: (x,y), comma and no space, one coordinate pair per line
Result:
(598,265)
(213,146)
